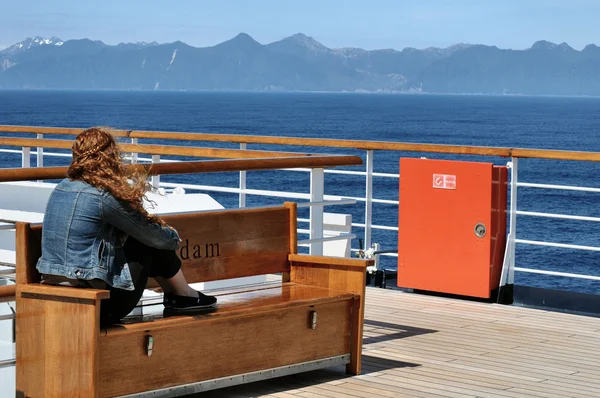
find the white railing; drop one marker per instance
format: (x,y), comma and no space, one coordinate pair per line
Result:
(509,260)
(7,363)
(317,199)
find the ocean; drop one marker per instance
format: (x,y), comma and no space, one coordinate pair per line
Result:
(505,121)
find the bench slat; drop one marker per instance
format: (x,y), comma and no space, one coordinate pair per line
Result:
(228,244)
(213,269)
(331,261)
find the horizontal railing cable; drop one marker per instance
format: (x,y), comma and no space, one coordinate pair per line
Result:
(556,273)
(558,245)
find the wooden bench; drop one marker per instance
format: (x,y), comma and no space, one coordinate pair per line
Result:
(312,319)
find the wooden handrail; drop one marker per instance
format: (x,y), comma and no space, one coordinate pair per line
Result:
(7,292)
(320,142)
(208,166)
(156,149)
(54,130)
(33,142)
(555,154)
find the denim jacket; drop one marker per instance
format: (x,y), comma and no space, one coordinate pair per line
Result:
(82,231)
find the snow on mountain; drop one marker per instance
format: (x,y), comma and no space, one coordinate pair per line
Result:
(137,45)
(30,43)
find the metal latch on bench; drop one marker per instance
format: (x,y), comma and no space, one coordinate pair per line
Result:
(313,320)
(150,345)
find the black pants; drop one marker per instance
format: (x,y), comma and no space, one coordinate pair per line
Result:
(144,262)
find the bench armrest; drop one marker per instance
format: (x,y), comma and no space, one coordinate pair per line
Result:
(337,273)
(332,262)
(52,291)
(342,274)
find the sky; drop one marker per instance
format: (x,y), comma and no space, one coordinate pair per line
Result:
(369,24)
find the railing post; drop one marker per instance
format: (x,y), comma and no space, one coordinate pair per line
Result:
(507,278)
(243,146)
(40,152)
(317,191)
(26,157)
(134,156)
(512,226)
(155,178)
(369,198)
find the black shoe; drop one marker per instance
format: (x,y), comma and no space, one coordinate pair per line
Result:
(175,303)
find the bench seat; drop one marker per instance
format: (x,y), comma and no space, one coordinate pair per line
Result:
(242,301)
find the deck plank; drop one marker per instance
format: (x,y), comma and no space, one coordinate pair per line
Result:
(431,347)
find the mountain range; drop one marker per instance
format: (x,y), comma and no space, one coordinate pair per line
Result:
(299,63)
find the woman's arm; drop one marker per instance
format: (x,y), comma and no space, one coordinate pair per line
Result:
(135,224)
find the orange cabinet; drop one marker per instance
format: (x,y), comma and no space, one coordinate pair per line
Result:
(452,226)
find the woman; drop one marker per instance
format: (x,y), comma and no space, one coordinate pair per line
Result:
(97,234)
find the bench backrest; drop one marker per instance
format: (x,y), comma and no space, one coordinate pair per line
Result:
(215,245)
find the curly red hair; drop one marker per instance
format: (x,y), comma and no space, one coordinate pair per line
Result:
(97,161)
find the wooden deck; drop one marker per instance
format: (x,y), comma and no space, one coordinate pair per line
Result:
(421,346)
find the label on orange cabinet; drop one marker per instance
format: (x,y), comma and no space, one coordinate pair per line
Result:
(444,181)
